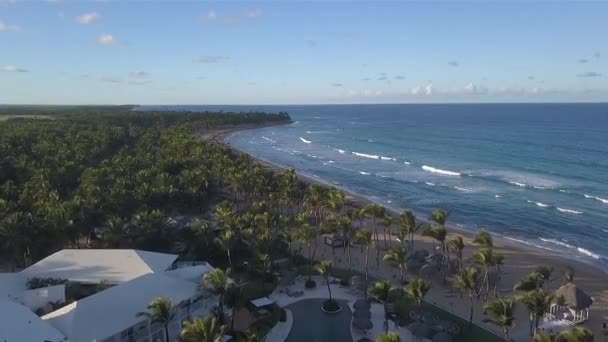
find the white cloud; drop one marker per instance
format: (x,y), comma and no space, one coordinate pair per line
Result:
(422,90)
(6,27)
(211,15)
(107,39)
(474,89)
(256,13)
(88,18)
(211,59)
(13,68)
(138,74)
(453,63)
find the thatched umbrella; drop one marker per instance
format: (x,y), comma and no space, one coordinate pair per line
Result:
(420,330)
(362,324)
(362,314)
(362,304)
(442,337)
(573,297)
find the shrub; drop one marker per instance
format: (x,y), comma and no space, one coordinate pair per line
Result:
(310,284)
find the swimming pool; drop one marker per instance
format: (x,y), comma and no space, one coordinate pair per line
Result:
(310,324)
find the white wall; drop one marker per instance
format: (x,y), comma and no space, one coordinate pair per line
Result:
(38,298)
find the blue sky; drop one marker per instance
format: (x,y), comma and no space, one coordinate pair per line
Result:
(301,52)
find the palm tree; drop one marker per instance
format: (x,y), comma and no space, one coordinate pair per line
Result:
(308,236)
(498,261)
(290,237)
(457,244)
(484,258)
(531,281)
(345,227)
(407,224)
(218,282)
(483,239)
(374,211)
(382,290)
(203,330)
(466,281)
(398,255)
(252,336)
(226,241)
(577,334)
(538,302)
(542,336)
(388,337)
(324,269)
(501,314)
(159,311)
(416,290)
(438,232)
(544,274)
(364,237)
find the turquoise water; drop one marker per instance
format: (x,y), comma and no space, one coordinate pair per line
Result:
(536,174)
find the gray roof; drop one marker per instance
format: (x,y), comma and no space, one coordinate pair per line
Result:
(573,297)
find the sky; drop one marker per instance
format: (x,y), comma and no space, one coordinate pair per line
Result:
(302,52)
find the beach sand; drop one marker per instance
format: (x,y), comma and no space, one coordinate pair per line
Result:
(519,261)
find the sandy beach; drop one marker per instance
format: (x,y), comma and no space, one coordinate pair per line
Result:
(519,261)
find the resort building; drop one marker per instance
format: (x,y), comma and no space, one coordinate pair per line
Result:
(80,295)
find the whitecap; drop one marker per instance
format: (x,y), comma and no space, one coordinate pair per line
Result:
(331,161)
(497,196)
(407,163)
(364,173)
(272,141)
(569,211)
(317,117)
(305,141)
(603,200)
(539,187)
(540,204)
(371,140)
(463,189)
(588,253)
(605,231)
(364,155)
(529,243)
(439,171)
(563,191)
(388,158)
(295,123)
(429,183)
(556,242)
(518,184)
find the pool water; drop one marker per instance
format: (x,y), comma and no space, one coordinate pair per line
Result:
(310,324)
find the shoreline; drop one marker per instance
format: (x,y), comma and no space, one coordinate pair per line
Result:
(520,257)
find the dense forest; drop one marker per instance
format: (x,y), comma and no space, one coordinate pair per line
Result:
(83,170)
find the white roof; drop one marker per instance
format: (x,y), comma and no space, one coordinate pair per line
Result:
(12,286)
(109,312)
(19,324)
(260,302)
(96,265)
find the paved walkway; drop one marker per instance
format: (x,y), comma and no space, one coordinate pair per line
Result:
(280,332)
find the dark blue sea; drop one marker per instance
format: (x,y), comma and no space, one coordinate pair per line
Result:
(536,174)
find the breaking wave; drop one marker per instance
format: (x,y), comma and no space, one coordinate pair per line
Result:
(407,163)
(556,242)
(579,249)
(588,253)
(305,141)
(439,171)
(272,141)
(429,183)
(519,184)
(540,204)
(603,200)
(364,155)
(388,158)
(364,173)
(569,211)
(463,189)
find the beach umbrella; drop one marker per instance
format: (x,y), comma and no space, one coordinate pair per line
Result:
(362,314)
(362,324)
(420,329)
(442,337)
(362,304)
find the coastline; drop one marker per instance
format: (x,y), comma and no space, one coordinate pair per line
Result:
(520,258)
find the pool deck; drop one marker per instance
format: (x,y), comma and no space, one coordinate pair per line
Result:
(280,332)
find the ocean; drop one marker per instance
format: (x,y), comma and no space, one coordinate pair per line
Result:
(535,174)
